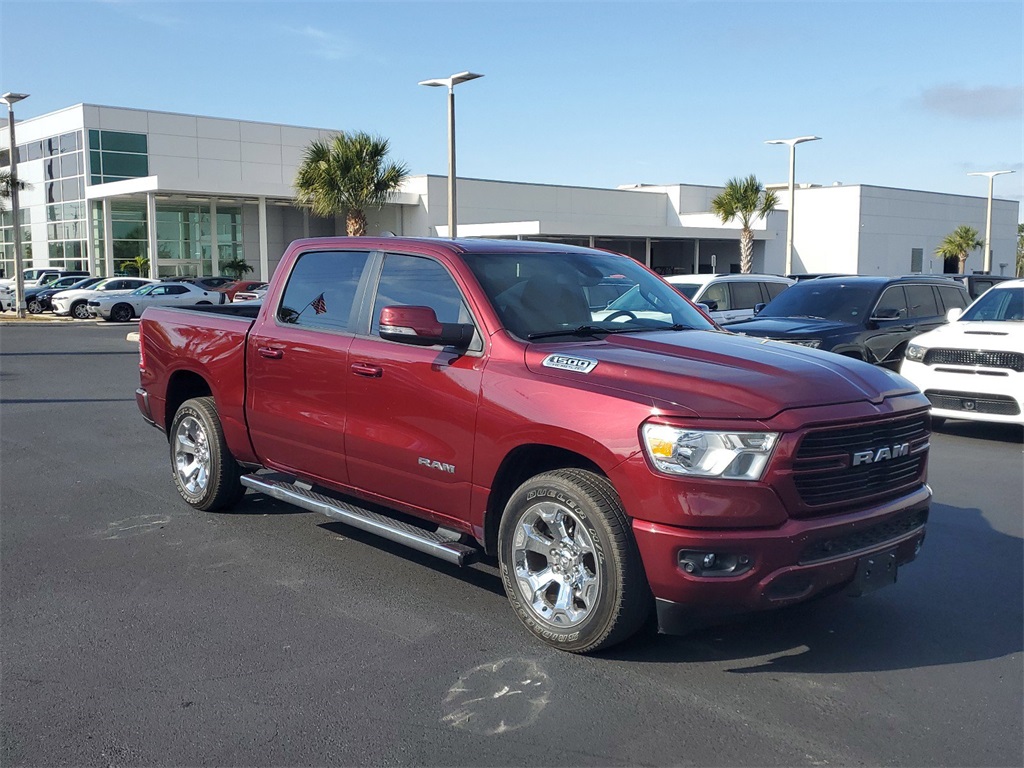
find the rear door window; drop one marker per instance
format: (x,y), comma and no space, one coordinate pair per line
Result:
(321,290)
(746,294)
(921,301)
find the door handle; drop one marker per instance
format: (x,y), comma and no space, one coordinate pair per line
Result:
(365,369)
(272,353)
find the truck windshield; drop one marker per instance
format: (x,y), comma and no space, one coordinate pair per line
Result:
(562,295)
(999,305)
(828,299)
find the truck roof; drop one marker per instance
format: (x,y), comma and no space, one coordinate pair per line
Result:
(439,245)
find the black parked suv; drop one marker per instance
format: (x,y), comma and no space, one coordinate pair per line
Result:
(870,318)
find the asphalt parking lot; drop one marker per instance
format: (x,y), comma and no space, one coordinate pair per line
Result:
(137,631)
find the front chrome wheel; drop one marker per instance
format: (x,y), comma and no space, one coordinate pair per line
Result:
(192,456)
(555,565)
(569,563)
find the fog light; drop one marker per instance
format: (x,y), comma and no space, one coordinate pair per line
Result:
(714,563)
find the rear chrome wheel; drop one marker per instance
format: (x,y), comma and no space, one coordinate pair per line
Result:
(204,471)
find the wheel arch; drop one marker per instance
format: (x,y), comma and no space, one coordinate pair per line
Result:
(520,464)
(182,386)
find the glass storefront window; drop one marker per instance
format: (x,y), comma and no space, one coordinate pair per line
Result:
(121,164)
(116,141)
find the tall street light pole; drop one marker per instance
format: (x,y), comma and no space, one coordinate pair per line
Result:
(450,83)
(10,99)
(987,267)
(792,199)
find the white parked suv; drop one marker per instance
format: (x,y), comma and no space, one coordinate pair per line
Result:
(973,367)
(730,297)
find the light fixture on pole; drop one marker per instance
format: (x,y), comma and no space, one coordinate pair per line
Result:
(792,201)
(987,265)
(450,83)
(10,99)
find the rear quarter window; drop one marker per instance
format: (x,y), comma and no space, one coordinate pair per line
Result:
(952,298)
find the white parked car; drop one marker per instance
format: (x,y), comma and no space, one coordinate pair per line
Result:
(76,302)
(730,297)
(973,367)
(727,297)
(123,307)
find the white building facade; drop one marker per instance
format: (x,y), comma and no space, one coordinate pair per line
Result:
(110,186)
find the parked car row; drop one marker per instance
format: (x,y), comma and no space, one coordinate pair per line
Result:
(77,295)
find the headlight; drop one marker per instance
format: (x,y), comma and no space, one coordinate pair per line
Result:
(915,352)
(702,453)
(812,343)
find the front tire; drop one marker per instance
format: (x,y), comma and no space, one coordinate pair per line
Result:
(79,310)
(569,563)
(35,307)
(121,313)
(204,471)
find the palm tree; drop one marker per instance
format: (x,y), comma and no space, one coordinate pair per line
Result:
(347,174)
(236,266)
(140,265)
(1020,251)
(5,187)
(744,199)
(958,244)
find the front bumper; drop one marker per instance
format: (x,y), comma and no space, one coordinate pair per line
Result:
(970,392)
(786,565)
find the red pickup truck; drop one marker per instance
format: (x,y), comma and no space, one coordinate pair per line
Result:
(474,397)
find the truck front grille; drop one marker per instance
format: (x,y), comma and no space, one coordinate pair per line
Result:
(843,466)
(975,358)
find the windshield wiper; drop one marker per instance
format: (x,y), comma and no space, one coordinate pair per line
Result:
(596,330)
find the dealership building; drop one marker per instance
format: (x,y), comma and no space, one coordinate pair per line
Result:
(106,185)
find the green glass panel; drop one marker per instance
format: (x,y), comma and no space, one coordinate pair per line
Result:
(54,213)
(74,210)
(94,139)
(168,250)
(56,251)
(120,164)
(128,230)
(95,165)
(123,142)
(74,250)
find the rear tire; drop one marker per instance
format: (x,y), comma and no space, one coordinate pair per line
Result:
(204,471)
(569,563)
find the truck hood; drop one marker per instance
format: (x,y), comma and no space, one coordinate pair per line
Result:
(716,375)
(787,327)
(976,334)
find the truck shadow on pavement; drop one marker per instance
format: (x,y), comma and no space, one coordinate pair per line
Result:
(980,430)
(962,600)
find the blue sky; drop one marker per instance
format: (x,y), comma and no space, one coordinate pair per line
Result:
(905,94)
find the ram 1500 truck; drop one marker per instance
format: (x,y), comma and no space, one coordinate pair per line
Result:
(460,397)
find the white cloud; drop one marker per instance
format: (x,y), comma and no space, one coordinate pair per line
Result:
(988,102)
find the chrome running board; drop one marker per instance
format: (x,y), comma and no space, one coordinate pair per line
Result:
(439,544)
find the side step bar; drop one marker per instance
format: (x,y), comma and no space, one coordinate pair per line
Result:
(428,542)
